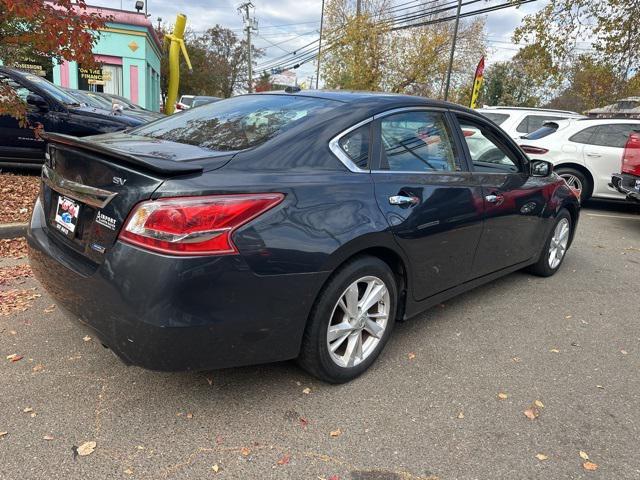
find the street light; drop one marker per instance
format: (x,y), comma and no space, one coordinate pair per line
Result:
(139,6)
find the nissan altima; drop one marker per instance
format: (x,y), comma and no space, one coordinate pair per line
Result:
(286,225)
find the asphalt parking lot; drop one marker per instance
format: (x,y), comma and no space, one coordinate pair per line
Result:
(446,399)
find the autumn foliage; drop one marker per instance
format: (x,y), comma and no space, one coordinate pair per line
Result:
(54,30)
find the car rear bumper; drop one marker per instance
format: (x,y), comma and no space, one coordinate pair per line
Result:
(167,313)
(628,185)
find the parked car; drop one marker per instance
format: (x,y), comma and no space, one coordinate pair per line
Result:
(128,105)
(585,152)
(519,121)
(184,103)
(49,109)
(274,226)
(628,181)
(203,100)
(118,108)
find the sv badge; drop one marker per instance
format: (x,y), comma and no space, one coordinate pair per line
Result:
(119,181)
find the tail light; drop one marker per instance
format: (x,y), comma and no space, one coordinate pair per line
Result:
(194,225)
(178,106)
(631,155)
(534,150)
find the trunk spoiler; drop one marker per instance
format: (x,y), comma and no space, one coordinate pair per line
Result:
(152,164)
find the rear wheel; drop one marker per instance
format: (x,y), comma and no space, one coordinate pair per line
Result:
(578,180)
(351,321)
(555,247)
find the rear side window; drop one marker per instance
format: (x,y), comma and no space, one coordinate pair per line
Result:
(583,136)
(497,118)
(531,123)
(186,101)
(487,150)
(237,123)
(356,145)
(417,142)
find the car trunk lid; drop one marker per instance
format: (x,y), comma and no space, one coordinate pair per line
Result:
(89,187)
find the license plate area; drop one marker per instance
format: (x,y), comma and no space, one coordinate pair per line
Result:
(66,215)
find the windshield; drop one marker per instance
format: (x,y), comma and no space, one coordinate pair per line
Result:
(56,92)
(91,99)
(237,123)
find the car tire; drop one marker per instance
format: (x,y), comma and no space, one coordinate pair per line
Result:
(555,247)
(335,324)
(577,179)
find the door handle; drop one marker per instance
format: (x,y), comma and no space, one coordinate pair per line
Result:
(402,200)
(594,155)
(494,198)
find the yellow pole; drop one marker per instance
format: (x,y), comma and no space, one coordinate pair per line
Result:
(176,40)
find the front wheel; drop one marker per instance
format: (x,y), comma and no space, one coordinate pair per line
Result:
(555,247)
(578,180)
(351,321)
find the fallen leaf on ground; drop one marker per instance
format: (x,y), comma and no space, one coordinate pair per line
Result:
(13,248)
(554,350)
(209,380)
(503,396)
(12,301)
(47,437)
(19,193)
(219,440)
(600,387)
(245,451)
(306,391)
(50,308)
(461,415)
(9,275)
(139,447)
(590,466)
(584,455)
(304,422)
(335,433)
(86,338)
(128,471)
(516,359)
(624,352)
(334,477)
(541,456)
(216,468)
(538,404)
(13,332)
(284,460)
(27,410)
(411,355)
(2,434)
(532,412)
(568,317)
(14,357)
(189,415)
(86,448)
(38,368)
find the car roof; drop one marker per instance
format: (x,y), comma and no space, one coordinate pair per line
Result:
(488,108)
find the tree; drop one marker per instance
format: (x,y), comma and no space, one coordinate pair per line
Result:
(521,81)
(219,60)
(264,83)
(610,25)
(592,83)
(363,53)
(55,30)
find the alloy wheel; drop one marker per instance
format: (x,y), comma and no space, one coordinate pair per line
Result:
(572,180)
(358,321)
(559,242)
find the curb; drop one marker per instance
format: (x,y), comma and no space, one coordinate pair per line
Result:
(13,230)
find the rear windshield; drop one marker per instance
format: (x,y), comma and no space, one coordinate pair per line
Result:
(497,118)
(237,123)
(545,130)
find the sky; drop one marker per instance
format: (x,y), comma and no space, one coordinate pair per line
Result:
(291,24)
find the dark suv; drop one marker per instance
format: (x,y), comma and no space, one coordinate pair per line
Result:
(51,109)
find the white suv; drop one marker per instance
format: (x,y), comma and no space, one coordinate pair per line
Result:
(519,121)
(584,152)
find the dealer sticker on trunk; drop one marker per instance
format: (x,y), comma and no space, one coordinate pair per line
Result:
(67,214)
(106,221)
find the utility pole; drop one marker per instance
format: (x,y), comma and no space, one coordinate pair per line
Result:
(250,24)
(358,7)
(453,49)
(320,45)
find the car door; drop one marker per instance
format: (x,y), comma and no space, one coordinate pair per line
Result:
(18,140)
(424,188)
(513,202)
(603,153)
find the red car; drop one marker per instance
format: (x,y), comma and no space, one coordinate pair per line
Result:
(628,181)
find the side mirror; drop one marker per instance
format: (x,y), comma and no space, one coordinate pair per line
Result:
(37,101)
(541,168)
